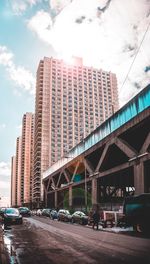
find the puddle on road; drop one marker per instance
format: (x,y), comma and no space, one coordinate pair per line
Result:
(9,247)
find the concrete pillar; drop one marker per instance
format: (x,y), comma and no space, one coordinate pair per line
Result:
(94,191)
(139,178)
(56,199)
(45,192)
(70,196)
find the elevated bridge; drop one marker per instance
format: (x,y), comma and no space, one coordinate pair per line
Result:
(112,162)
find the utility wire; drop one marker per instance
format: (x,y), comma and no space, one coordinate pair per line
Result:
(135,56)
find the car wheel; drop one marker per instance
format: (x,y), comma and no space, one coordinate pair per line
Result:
(142,228)
(5,226)
(137,228)
(109,223)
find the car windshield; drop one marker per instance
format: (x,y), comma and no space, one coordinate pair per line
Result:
(2,210)
(81,213)
(23,209)
(11,211)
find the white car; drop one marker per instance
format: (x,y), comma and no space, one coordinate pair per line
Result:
(39,212)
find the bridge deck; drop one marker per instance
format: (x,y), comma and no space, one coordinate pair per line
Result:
(129,111)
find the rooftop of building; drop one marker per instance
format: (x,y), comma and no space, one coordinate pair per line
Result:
(74,62)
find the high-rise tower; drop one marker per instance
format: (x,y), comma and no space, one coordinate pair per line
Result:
(22,164)
(13,182)
(27,158)
(16,175)
(71,101)
(18,169)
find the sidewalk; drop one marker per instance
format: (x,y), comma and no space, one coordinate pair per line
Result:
(113,229)
(3,252)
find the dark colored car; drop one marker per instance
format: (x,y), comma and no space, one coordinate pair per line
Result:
(2,209)
(79,217)
(64,215)
(46,212)
(12,216)
(24,211)
(137,212)
(53,214)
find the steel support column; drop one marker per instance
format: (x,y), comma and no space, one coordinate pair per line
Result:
(94,191)
(139,180)
(45,195)
(70,196)
(56,199)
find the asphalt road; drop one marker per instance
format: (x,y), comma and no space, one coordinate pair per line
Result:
(44,241)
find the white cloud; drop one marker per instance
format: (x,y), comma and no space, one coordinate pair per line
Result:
(105,33)
(20,6)
(4,185)
(5,56)
(22,77)
(5,201)
(58,5)
(19,127)
(4,169)
(41,23)
(5,172)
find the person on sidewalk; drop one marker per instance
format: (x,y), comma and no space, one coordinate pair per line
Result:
(96,218)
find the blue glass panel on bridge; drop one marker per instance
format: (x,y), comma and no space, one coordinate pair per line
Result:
(77,178)
(138,104)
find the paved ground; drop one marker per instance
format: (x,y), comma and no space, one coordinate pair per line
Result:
(43,241)
(4,257)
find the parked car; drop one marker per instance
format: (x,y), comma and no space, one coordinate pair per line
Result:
(46,212)
(64,215)
(137,212)
(79,217)
(2,209)
(12,216)
(39,212)
(24,211)
(53,214)
(33,212)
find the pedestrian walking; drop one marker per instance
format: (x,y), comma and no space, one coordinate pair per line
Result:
(96,218)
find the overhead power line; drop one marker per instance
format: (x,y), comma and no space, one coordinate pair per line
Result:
(135,56)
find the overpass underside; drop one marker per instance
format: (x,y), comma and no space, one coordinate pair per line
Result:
(117,166)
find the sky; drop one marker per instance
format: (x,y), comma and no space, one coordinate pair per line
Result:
(113,35)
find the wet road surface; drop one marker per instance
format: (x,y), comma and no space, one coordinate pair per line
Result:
(44,241)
